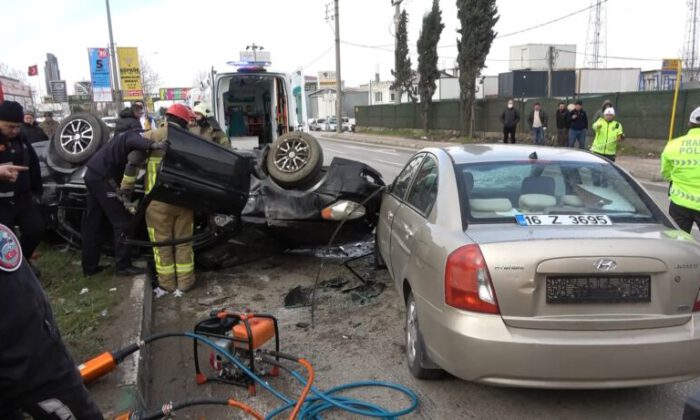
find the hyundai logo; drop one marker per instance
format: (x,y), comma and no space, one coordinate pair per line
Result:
(605,264)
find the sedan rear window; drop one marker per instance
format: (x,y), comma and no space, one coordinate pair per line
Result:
(495,192)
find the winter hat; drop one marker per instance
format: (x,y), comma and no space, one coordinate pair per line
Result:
(695,116)
(28,112)
(609,111)
(11,111)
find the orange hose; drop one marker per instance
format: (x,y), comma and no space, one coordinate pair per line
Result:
(246,408)
(306,390)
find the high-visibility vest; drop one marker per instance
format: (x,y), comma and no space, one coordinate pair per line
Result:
(606,136)
(680,164)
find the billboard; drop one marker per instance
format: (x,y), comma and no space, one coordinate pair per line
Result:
(173,94)
(130,73)
(59,91)
(99,74)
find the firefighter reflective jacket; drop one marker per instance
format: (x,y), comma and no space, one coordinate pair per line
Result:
(606,136)
(680,164)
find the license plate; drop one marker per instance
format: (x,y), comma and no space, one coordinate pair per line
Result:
(613,289)
(563,220)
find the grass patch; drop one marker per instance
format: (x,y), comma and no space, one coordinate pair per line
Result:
(78,315)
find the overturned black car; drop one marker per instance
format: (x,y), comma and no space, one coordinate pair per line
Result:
(281,188)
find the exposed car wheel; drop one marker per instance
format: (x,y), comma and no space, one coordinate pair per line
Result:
(78,137)
(415,348)
(294,159)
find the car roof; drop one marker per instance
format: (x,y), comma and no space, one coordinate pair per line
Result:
(476,153)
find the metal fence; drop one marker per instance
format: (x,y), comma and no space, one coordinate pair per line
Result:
(643,114)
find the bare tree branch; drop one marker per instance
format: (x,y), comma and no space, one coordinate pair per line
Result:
(149,77)
(201,79)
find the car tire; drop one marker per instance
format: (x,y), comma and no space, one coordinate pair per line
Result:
(78,137)
(416,355)
(294,159)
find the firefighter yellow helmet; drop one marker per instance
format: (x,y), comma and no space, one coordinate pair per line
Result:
(202,108)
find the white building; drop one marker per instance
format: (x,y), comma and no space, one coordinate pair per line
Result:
(536,57)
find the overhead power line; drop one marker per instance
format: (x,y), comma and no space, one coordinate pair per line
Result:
(319,57)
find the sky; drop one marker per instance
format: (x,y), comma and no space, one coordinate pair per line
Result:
(180,38)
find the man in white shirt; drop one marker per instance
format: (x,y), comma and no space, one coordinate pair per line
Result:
(538,124)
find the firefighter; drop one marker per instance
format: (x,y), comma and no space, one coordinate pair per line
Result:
(37,374)
(19,200)
(205,125)
(680,164)
(166,222)
(105,170)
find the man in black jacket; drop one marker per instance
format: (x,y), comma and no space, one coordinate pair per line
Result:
(129,119)
(510,118)
(31,130)
(19,206)
(578,124)
(105,170)
(562,125)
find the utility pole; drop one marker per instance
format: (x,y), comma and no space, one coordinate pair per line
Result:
(550,68)
(338,84)
(112,51)
(397,18)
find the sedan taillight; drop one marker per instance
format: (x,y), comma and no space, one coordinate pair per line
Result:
(696,306)
(467,281)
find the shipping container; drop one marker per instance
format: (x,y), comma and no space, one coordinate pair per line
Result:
(592,81)
(535,57)
(490,86)
(522,84)
(563,83)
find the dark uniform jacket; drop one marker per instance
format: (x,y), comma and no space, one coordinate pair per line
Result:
(18,151)
(110,160)
(33,133)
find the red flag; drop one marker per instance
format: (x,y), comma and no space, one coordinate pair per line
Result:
(33,70)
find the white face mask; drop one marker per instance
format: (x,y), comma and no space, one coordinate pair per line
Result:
(510,105)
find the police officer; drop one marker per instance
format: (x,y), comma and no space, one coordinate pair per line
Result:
(104,173)
(166,222)
(206,126)
(680,164)
(608,132)
(19,200)
(37,374)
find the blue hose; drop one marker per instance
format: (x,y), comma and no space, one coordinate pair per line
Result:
(324,400)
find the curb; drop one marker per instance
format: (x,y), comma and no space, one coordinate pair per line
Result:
(143,369)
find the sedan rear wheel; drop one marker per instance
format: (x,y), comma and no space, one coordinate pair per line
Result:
(415,348)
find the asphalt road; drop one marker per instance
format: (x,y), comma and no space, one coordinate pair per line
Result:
(487,402)
(390,160)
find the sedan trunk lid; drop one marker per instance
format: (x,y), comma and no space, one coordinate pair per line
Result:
(591,278)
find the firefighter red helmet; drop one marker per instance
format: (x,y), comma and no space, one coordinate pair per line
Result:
(181,111)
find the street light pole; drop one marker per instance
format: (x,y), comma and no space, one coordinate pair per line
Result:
(338,83)
(115,78)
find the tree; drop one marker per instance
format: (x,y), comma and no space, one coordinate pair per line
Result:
(149,77)
(12,73)
(403,75)
(477,19)
(428,70)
